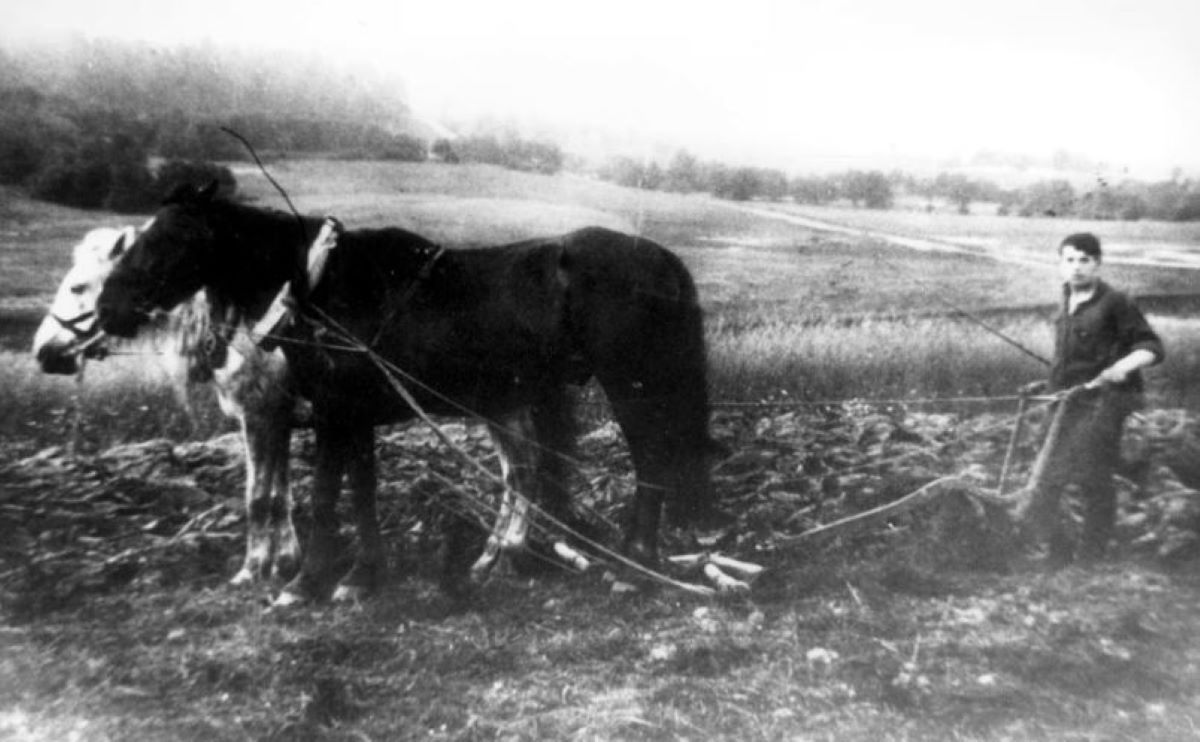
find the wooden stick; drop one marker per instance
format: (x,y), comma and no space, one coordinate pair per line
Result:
(863,520)
(571,556)
(744,570)
(1012,444)
(724,583)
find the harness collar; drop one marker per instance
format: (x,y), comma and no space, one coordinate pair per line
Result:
(281,306)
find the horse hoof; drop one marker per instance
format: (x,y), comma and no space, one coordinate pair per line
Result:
(288,599)
(482,568)
(303,589)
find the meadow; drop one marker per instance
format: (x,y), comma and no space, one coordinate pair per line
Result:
(792,314)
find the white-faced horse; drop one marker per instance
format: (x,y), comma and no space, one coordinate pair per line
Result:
(252,385)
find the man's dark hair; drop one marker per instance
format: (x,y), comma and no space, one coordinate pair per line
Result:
(1085,242)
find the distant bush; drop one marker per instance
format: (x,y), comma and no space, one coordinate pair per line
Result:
(813,190)
(1048,198)
(443,149)
(20,153)
(870,189)
(183,139)
(735,184)
(99,173)
(401,147)
(173,173)
(511,152)
(29,132)
(71,179)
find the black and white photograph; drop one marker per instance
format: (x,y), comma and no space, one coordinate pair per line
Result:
(797,371)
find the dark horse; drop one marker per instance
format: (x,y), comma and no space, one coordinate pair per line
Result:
(498,333)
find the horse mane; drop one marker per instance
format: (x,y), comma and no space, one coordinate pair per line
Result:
(198,338)
(204,326)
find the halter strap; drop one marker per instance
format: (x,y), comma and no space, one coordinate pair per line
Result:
(72,324)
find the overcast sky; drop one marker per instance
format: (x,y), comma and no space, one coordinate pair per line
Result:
(1116,80)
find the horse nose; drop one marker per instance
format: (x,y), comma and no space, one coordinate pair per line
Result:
(111,319)
(53,362)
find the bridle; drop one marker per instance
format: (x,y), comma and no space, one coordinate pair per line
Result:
(86,341)
(72,324)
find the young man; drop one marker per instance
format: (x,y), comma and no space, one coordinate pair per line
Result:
(1102,342)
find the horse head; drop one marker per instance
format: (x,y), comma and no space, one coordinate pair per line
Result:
(70,329)
(168,262)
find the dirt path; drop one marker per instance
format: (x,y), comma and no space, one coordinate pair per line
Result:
(1157,256)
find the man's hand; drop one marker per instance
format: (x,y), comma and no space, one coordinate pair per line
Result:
(1120,371)
(1114,374)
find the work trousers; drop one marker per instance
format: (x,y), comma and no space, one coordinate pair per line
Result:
(1087,457)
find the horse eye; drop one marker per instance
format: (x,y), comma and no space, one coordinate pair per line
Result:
(79,288)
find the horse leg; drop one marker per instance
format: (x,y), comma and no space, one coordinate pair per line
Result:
(554,424)
(516,443)
(316,567)
(363,578)
(285,543)
(653,480)
(255,441)
(666,429)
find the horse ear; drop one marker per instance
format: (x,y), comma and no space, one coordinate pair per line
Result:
(118,248)
(123,243)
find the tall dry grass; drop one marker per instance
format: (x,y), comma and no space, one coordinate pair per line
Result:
(134,397)
(873,358)
(915,358)
(121,399)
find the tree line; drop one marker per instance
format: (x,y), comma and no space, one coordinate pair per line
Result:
(1177,199)
(113,125)
(87,157)
(106,124)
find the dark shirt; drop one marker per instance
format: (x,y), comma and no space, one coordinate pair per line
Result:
(1104,329)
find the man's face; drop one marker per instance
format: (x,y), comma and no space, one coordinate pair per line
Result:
(1077,269)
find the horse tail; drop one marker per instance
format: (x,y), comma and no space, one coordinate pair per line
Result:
(689,360)
(635,310)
